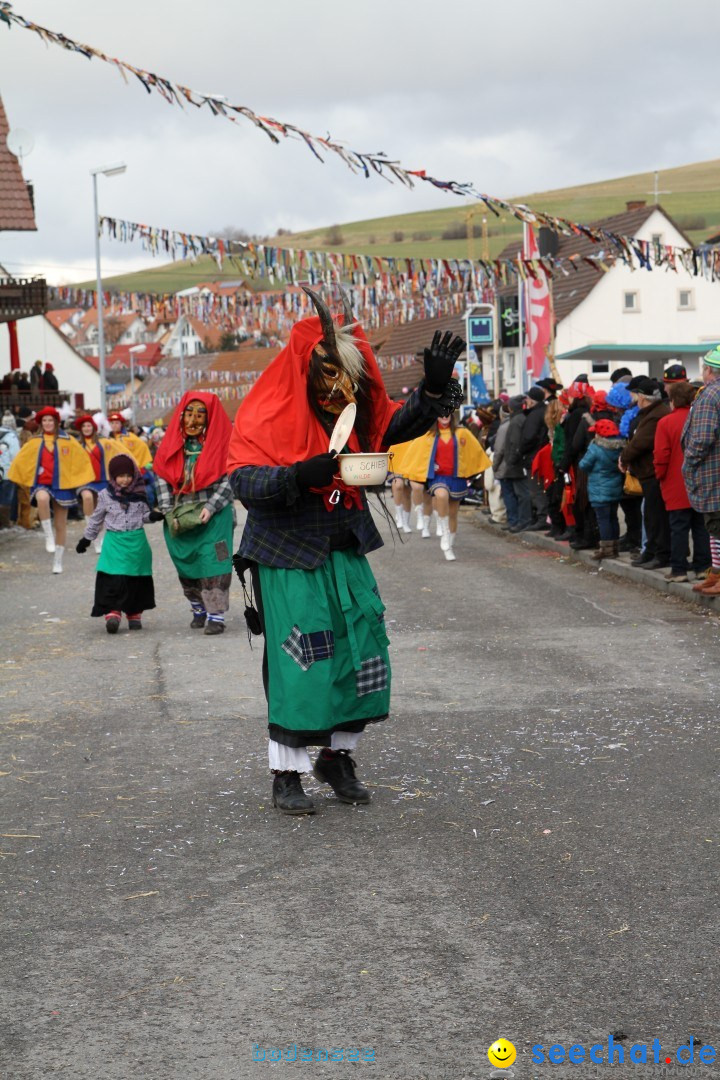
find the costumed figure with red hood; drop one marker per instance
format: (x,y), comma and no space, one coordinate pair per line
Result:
(53,466)
(195,496)
(326,669)
(100,451)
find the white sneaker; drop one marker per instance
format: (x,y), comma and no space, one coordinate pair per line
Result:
(57,561)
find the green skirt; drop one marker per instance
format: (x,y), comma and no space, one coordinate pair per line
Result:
(204,551)
(328,663)
(127,553)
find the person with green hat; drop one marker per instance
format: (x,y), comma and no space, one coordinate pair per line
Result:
(701,468)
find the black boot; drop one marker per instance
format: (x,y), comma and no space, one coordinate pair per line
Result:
(337,768)
(288,795)
(198,622)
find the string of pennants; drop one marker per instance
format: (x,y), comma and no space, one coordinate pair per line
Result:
(695,260)
(280,265)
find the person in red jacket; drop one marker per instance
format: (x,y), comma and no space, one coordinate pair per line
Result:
(668,461)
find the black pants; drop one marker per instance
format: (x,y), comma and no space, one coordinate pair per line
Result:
(682,523)
(657,525)
(632,509)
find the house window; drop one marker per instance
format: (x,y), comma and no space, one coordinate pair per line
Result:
(686,300)
(600,367)
(656,240)
(631,301)
(510,366)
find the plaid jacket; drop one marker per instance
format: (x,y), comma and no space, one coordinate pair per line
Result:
(701,443)
(290,528)
(215,497)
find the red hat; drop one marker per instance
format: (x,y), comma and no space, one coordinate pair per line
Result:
(579,390)
(598,401)
(85,420)
(48,411)
(49,367)
(117,416)
(606,429)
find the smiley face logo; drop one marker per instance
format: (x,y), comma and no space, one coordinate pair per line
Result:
(502,1054)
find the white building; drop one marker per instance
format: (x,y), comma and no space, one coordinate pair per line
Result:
(38,339)
(640,319)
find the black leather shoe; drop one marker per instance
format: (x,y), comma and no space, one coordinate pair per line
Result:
(112,624)
(288,795)
(339,772)
(567,535)
(198,622)
(651,564)
(212,626)
(642,560)
(580,544)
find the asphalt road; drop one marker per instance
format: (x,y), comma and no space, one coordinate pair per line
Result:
(539,861)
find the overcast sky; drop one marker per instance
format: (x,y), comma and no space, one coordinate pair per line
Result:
(513,96)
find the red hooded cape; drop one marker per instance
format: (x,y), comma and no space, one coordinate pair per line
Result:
(275,424)
(211,465)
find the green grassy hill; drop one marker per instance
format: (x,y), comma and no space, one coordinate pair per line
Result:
(690,194)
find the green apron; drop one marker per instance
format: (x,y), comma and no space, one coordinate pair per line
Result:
(328,660)
(204,551)
(126,553)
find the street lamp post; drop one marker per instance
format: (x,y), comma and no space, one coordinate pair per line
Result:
(109,170)
(134,349)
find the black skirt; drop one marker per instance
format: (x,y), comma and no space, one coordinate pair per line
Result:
(120,592)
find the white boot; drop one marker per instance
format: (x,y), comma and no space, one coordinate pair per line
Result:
(438,526)
(399,516)
(419,517)
(57,561)
(406,527)
(426,527)
(444,532)
(97,544)
(449,553)
(49,538)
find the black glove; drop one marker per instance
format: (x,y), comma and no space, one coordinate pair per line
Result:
(82,545)
(156,515)
(440,360)
(318,471)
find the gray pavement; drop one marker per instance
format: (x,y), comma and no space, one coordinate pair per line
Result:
(539,861)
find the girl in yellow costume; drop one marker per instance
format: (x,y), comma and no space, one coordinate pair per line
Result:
(442,460)
(53,466)
(130,443)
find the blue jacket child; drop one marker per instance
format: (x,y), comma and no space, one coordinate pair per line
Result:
(605,481)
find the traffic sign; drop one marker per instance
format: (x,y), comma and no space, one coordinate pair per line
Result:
(480,330)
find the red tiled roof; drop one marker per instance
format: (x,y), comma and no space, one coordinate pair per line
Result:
(120,355)
(16,209)
(61,316)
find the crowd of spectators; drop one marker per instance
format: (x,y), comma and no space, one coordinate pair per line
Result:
(574,463)
(17,386)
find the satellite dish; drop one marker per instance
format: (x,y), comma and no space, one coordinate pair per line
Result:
(20,142)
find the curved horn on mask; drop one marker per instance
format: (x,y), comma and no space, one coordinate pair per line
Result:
(326,320)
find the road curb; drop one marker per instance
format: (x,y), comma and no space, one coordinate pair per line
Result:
(618,568)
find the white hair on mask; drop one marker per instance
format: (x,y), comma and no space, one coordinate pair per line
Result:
(350,356)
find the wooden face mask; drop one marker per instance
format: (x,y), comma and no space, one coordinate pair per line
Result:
(194,419)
